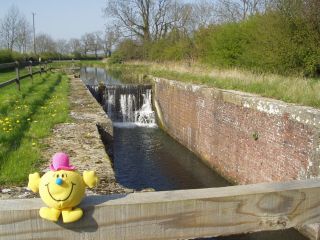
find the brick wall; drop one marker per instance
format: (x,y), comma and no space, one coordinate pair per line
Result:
(246,138)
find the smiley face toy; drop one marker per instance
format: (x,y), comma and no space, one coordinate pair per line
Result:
(61,189)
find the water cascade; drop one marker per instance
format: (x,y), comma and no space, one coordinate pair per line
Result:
(126,105)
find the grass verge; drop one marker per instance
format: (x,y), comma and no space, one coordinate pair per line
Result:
(6,75)
(25,118)
(299,90)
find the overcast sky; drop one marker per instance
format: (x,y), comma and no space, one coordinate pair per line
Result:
(61,18)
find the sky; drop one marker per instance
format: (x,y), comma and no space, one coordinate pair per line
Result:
(62,19)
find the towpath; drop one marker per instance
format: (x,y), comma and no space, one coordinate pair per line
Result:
(81,140)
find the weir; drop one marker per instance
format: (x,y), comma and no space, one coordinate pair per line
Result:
(126,104)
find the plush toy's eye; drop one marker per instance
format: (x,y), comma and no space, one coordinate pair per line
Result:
(62,175)
(57,175)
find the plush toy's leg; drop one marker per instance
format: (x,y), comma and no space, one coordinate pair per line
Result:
(69,215)
(50,214)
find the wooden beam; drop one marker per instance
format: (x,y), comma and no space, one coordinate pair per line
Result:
(7,65)
(3,84)
(179,214)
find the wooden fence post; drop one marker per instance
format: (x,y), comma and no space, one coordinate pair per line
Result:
(30,71)
(40,64)
(17,75)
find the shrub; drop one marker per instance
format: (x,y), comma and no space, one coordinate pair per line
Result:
(128,50)
(7,56)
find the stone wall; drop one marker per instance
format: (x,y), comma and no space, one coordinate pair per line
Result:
(246,138)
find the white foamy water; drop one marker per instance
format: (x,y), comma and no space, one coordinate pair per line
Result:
(132,115)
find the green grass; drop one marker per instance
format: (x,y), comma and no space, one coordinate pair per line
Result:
(10,74)
(299,90)
(69,64)
(291,89)
(25,118)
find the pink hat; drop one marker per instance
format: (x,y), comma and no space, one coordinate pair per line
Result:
(60,161)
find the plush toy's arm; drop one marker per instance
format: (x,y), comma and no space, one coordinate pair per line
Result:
(34,181)
(90,178)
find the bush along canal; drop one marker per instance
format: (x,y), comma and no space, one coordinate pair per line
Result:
(146,157)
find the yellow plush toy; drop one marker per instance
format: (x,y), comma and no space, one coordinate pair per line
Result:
(61,189)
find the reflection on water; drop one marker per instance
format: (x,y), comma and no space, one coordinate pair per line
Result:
(147,157)
(93,76)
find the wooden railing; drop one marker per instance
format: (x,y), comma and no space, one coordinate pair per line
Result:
(16,66)
(182,214)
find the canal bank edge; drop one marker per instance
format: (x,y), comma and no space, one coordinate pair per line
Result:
(83,138)
(244,137)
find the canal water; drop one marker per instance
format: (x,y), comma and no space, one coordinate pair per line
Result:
(146,157)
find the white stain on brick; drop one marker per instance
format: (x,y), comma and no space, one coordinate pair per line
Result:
(246,105)
(269,108)
(189,136)
(195,88)
(200,103)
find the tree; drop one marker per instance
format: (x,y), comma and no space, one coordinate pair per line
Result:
(237,10)
(62,47)
(110,39)
(203,14)
(97,43)
(11,26)
(45,44)
(24,37)
(87,42)
(133,16)
(75,47)
(148,19)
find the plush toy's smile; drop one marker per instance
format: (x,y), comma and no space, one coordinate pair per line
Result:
(60,200)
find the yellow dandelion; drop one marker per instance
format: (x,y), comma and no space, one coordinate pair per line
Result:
(33,144)
(6,119)
(28,119)
(18,121)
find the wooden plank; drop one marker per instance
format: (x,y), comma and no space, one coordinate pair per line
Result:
(7,82)
(15,79)
(179,214)
(7,65)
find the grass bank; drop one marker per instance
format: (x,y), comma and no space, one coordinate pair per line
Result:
(25,118)
(70,63)
(299,90)
(6,75)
